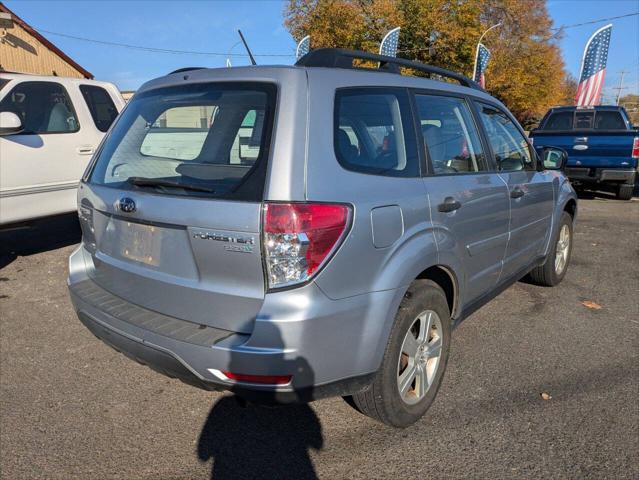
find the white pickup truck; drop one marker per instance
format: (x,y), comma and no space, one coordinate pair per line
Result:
(49,129)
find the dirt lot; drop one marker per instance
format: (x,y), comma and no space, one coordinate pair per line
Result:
(73,408)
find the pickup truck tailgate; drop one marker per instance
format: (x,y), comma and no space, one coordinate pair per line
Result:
(591,148)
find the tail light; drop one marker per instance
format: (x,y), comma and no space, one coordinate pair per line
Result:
(299,238)
(635,148)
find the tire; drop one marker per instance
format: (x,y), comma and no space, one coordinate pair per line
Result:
(624,192)
(424,304)
(548,274)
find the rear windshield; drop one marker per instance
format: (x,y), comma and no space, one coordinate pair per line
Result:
(201,139)
(585,120)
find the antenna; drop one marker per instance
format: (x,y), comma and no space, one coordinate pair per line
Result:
(253,62)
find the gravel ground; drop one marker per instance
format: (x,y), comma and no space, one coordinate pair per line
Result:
(71,407)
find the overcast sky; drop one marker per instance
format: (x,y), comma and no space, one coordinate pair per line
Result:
(211,26)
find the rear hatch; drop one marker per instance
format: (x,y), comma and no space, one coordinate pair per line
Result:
(598,139)
(171,208)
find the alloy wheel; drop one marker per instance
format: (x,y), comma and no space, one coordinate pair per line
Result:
(563,248)
(420,357)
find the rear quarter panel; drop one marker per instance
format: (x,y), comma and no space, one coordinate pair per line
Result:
(359,266)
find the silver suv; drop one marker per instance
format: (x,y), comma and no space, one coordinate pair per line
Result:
(290,233)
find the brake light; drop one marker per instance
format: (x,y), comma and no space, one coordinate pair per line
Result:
(299,238)
(635,148)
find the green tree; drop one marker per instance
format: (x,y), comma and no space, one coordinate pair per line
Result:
(526,70)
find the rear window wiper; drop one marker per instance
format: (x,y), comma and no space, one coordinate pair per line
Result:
(160,182)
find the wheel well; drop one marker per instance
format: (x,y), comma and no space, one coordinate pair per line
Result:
(445,279)
(571,208)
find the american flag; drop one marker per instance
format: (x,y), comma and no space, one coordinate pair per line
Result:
(303,47)
(481,63)
(389,44)
(593,68)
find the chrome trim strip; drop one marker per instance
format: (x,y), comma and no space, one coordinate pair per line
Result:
(14,192)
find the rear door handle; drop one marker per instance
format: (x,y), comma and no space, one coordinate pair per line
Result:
(85,150)
(517,192)
(449,205)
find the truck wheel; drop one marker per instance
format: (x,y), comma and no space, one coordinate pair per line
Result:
(624,192)
(554,268)
(414,361)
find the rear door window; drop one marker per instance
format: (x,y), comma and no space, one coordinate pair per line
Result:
(43,107)
(100,105)
(374,132)
(200,139)
(450,135)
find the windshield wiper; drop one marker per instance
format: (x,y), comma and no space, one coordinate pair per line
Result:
(160,182)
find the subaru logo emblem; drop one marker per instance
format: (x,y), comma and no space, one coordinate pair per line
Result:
(126,204)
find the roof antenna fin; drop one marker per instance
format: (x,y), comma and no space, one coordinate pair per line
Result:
(253,62)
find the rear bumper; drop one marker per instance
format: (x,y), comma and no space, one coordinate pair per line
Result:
(329,347)
(601,175)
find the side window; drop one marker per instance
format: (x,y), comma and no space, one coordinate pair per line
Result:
(247,143)
(100,105)
(374,133)
(509,146)
(43,107)
(450,135)
(179,132)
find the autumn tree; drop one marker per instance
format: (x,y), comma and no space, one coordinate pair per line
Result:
(526,70)
(631,104)
(569,90)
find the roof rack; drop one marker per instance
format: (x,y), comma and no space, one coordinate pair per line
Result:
(186,69)
(343,58)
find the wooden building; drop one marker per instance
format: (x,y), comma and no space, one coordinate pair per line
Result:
(24,50)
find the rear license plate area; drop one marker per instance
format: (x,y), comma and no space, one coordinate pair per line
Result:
(140,243)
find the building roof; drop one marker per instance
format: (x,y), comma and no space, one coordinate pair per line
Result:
(33,32)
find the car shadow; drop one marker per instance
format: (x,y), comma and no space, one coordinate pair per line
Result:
(254,441)
(38,236)
(263,440)
(604,194)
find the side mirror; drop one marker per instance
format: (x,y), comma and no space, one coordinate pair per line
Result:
(10,123)
(553,158)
